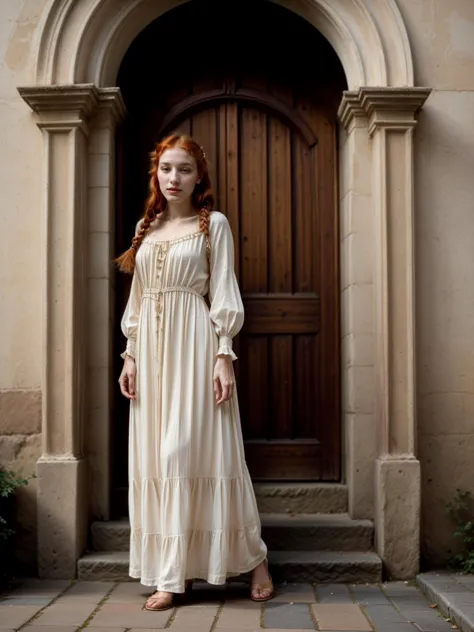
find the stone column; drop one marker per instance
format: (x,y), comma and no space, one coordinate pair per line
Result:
(391,115)
(100,300)
(357,298)
(392,118)
(63,114)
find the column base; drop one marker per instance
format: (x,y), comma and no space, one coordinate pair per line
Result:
(397,516)
(62,515)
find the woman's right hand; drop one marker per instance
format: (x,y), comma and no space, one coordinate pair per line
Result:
(127,378)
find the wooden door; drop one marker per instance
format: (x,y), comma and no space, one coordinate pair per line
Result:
(275,181)
(273,170)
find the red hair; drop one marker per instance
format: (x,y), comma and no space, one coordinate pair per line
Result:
(202,198)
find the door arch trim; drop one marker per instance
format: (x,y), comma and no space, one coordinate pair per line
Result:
(246,96)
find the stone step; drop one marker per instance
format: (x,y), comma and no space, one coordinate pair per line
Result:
(316,532)
(281,532)
(289,566)
(297,498)
(301,498)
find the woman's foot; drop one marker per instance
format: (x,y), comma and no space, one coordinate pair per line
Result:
(261,588)
(159,600)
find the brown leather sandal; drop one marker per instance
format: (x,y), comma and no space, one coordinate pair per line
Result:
(165,602)
(267,585)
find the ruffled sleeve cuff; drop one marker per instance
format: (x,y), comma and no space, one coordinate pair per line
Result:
(225,347)
(129,350)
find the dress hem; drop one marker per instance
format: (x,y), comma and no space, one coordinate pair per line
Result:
(214,580)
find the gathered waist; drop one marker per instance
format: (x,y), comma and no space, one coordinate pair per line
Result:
(156,293)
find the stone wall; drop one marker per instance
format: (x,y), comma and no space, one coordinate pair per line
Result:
(21,267)
(442,39)
(20,447)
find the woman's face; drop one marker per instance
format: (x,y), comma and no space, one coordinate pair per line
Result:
(177,174)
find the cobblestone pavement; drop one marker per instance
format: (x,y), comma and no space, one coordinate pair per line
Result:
(63,606)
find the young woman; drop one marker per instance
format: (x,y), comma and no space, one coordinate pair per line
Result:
(193,512)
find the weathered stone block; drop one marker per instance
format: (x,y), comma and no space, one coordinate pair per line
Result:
(20,412)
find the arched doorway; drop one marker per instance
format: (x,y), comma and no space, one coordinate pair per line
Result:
(78,51)
(267,122)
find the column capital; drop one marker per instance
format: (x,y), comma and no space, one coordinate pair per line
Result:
(62,108)
(111,103)
(383,107)
(65,107)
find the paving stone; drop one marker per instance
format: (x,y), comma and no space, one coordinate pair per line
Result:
(404,626)
(382,615)
(235,629)
(14,616)
(243,617)
(294,593)
(288,616)
(51,628)
(129,615)
(340,617)
(87,592)
(41,602)
(426,618)
(189,616)
(40,588)
(97,629)
(399,589)
(467,580)
(130,592)
(430,622)
(198,626)
(65,614)
(333,593)
(369,595)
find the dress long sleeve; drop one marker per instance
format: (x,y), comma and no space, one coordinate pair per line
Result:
(130,318)
(227,310)
(131,315)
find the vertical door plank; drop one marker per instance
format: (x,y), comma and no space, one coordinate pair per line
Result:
(307,387)
(232,182)
(280,377)
(279,212)
(253,195)
(305,229)
(205,133)
(230,130)
(222,162)
(255,400)
(330,350)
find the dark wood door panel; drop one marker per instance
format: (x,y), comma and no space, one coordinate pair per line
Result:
(277,314)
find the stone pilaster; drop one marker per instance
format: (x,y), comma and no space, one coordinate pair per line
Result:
(63,114)
(391,115)
(100,297)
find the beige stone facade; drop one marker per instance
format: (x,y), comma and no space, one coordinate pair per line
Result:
(406,185)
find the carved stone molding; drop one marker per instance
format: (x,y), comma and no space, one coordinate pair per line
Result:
(72,106)
(383,107)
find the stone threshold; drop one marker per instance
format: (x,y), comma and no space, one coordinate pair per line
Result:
(453,593)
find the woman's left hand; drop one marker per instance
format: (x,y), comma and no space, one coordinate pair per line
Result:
(223,379)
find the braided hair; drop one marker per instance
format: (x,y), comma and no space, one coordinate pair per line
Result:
(202,197)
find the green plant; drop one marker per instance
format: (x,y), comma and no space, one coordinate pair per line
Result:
(460,511)
(9,483)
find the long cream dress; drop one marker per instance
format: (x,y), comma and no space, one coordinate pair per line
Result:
(192,506)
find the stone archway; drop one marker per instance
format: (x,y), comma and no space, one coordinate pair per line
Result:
(79,49)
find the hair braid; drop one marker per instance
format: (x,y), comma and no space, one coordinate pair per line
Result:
(204,215)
